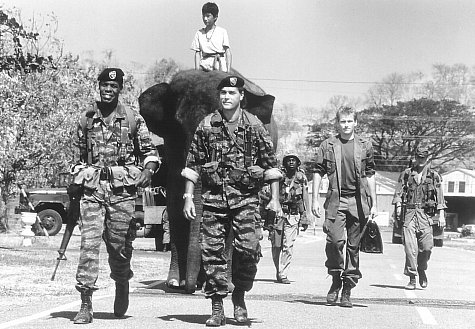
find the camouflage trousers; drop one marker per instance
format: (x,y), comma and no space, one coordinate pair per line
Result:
(215,228)
(108,217)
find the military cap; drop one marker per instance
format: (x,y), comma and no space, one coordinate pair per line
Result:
(231,81)
(422,151)
(288,156)
(112,74)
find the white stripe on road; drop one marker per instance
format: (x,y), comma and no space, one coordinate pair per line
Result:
(426,315)
(44,313)
(424,312)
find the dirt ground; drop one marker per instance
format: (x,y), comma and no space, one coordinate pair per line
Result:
(25,275)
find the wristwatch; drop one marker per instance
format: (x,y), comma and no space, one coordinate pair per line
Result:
(187,195)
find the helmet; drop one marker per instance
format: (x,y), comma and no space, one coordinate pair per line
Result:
(288,156)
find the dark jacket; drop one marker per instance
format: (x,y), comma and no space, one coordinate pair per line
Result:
(328,162)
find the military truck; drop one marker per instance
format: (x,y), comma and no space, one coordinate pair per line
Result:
(50,203)
(52,206)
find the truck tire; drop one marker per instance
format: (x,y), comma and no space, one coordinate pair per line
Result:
(51,221)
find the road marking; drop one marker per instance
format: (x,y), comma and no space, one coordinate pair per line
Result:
(45,313)
(426,315)
(424,312)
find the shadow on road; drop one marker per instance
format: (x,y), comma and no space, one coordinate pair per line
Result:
(387,286)
(97,315)
(201,319)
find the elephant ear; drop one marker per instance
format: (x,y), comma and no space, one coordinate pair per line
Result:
(153,104)
(257,101)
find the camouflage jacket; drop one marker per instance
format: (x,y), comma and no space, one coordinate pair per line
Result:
(216,154)
(108,141)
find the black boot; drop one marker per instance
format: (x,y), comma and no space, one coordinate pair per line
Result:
(121,301)
(85,314)
(240,311)
(332,295)
(217,316)
(345,295)
(422,278)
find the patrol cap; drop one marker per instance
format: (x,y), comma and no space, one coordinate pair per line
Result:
(422,151)
(288,156)
(231,81)
(112,74)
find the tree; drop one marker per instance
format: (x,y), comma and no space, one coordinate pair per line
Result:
(445,126)
(162,71)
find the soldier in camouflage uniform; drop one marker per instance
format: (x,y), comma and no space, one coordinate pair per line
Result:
(294,199)
(418,198)
(112,141)
(232,153)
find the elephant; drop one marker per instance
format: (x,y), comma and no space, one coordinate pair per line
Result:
(173,111)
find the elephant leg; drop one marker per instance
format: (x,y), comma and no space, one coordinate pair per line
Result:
(173,280)
(193,257)
(228,251)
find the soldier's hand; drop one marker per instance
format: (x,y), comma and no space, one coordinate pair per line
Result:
(255,171)
(145,178)
(189,209)
(442,218)
(61,255)
(259,234)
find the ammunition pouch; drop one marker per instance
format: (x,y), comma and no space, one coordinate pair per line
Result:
(87,177)
(121,178)
(209,174)
(291,209)
(244,180)
(430,207)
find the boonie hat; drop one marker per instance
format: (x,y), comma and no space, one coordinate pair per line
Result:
(231,81)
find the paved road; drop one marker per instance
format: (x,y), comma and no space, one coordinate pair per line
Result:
(380,299)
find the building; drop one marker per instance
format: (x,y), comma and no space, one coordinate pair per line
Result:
(459,192)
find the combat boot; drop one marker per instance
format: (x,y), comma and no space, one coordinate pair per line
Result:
(121,301)
(412,283)
(345,295)
(332,295)
(217,316)
(85,314)
(240,311)
(422,278)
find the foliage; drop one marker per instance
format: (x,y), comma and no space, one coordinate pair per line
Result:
(445,126)
(39,111)
(162,71)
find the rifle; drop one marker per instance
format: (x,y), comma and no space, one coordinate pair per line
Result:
(75,192)
(38,221)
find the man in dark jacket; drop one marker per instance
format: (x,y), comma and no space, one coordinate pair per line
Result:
(348,162)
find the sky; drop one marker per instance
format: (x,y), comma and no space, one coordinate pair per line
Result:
(301,51)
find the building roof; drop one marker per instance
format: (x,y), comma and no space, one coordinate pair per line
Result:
(463,170)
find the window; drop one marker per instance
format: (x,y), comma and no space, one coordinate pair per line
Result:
(461,187)
(451,187)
